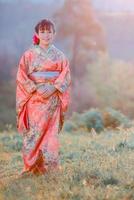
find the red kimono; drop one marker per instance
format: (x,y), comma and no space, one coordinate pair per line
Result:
(40,118)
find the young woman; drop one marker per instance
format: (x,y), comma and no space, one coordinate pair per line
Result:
(42,97)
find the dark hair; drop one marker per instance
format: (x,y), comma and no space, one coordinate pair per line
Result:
(44,24)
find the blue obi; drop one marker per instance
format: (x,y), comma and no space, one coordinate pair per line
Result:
(46,74)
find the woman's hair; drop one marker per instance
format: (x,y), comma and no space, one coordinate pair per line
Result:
(44,24)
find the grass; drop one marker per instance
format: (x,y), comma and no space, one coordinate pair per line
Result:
(93,167)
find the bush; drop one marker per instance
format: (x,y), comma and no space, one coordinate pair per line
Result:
(114,118)
(69,126)
(85,121)
(98,120)
(93,119)
(12,143)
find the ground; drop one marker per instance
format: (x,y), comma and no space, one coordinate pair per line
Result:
(93,167)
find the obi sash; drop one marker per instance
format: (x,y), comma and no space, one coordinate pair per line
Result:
(44,76)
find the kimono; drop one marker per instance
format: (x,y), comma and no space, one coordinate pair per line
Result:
(39,118)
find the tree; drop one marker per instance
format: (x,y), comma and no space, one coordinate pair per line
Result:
(78,26)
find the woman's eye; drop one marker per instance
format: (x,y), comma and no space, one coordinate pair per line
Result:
(46,32)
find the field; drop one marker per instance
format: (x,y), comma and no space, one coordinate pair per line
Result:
(93,167)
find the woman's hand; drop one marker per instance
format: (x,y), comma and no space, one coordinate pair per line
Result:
(46,90)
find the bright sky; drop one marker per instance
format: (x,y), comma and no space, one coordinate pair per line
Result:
(107,5)
(114,5)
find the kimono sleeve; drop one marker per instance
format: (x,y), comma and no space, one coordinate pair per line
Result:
(22,77)
(64,79)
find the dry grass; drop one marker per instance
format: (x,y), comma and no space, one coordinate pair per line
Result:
(93,167)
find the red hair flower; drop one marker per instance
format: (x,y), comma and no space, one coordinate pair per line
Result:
(36,40)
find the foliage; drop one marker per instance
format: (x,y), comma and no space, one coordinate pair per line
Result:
(85,121)
(98,120)
(7,102)
(112,82)
(114,118)
(85,39)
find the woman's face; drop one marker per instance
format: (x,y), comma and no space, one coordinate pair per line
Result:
(46,36)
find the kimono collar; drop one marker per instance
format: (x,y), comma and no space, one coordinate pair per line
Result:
(45,50)
(42,51)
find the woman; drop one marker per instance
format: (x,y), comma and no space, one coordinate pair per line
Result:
(42,98)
